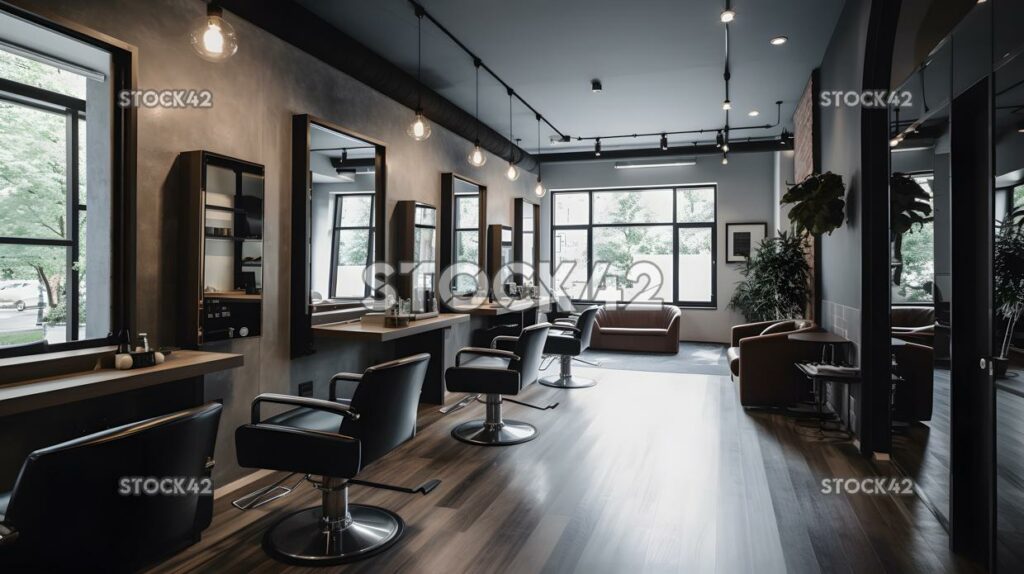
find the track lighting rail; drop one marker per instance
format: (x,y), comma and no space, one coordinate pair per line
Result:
(778,120)
(422,12)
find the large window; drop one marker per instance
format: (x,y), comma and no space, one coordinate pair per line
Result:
(55,198)
(636,245)
(353,244)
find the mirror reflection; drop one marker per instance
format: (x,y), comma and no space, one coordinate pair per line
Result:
(343,206)
(920,282)
(464,214)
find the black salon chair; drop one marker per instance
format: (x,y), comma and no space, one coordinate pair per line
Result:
(569,339)
(506,369)
(117,500)
(334,440)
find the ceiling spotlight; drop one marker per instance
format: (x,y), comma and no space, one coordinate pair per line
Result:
(725,147)
(728,16)
(477,157)
(597,148)
(595,86)
(512,173)
(213,38)
(725,159)
(664,142)
(726,105)
(778,40)
(753,113)
(783,136)
(719,140)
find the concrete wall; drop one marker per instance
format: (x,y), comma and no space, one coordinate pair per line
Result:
(746,190)
(255,94)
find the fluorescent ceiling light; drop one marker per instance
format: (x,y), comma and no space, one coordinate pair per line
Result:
(658,163)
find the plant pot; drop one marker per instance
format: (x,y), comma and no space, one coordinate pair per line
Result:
(1000,365)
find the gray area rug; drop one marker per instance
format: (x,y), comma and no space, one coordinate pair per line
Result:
(697,358)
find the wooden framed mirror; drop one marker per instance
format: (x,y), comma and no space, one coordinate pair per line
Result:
(416,245)
(526,239)
(463,230)
(338,222)
(499,254)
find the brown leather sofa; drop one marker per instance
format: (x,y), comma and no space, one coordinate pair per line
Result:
(648,329)
(914,324)
(913,398)
(762,357)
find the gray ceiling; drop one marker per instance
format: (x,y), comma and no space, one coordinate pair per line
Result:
(660,61)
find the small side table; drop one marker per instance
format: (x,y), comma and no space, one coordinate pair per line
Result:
(818,381)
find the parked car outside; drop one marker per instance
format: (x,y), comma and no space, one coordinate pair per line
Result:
(21,294)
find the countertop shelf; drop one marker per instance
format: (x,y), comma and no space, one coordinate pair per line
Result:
(358,330)
(32,394)
(233,295)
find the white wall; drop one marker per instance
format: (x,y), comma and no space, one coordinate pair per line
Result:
(746,192)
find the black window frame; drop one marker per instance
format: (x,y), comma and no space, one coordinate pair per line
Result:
(674,224)
(123,199)
(336,228)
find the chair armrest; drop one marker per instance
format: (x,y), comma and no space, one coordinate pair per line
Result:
(571,320)
(8,534)
(341,377)
(485,352)
(749,330)
(308,402)
(495,342)
(566,328)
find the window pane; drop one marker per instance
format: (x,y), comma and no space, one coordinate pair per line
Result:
(695,205)
(30,72)
(917,275)
(33,294)
(356,211)
(425,216)
(571,247)
(353,249)
(695,265)
(467,211)
(571,208)
(648,206)
(640,264)
(33,173)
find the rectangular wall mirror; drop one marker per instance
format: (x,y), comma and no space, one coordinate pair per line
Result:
(338,199)
(416,244)
(499,255)
(526,245)
(463,231)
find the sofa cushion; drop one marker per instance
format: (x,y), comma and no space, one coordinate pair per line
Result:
(637,317)
(912,316)
(634,331)
(733,354)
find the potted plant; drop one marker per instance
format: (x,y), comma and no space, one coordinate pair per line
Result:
(1008,268)
(909,206)
(775,280)
(819,203)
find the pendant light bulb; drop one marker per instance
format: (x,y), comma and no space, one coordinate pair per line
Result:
(477,157)
(538,189)
(513,172)
(419,129)
(212,37)
(725,147)
(597,148)
(725,159)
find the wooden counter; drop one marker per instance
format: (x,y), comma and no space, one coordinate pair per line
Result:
(51,391)
(357,330)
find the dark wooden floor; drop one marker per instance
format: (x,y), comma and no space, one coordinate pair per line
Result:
(647,472)
(922,450)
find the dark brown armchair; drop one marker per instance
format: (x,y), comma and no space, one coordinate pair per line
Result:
(914,324)
(762,357)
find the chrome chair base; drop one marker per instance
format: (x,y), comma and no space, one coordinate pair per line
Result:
(567,382)
(303,538)
(507,432)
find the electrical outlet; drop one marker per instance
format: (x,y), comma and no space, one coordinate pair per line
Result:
(306,389)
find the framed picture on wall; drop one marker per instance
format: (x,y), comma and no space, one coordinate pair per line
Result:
(741,239)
